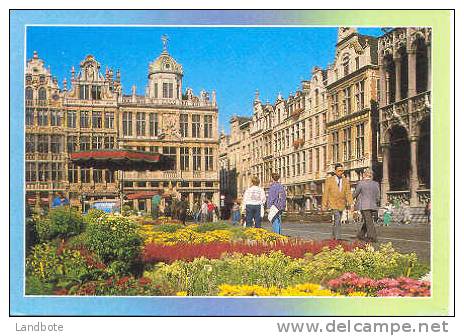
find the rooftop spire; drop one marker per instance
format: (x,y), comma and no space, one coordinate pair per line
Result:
(164,39)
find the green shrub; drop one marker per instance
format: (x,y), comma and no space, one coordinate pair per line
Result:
(93,215)
(365,262)
(203,276)
(61,222)
(115,238)
(59,267)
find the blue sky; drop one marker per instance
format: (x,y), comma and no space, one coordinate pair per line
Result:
(233,61)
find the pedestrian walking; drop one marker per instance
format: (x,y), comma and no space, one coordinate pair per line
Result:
(235,213)
(253,199)
(276,203)
(155,204)
(204,211)
(367,195)
(182,207)
(337,197)
(210,211)
(196,212)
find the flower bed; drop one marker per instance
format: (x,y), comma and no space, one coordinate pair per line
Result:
(112,253)
(402,286)
(153,253)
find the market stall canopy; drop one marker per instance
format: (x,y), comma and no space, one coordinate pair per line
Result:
(141,195)
(122,159)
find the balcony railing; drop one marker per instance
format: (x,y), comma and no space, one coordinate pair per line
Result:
(401,197)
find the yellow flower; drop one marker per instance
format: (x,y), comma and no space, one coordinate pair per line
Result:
(357,294)
(181,293)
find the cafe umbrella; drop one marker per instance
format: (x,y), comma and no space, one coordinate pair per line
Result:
(121,160)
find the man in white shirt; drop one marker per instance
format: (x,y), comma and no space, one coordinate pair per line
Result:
(253,200)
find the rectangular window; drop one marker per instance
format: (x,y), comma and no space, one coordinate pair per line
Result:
(208,126)
(97,175)
(84,143)
(71,141)
(196,152)
(208,159)
(153,124)
(96,119)
(57,171)
(72,173)
(154,149)
(195,126)
(43,118)
(44,173)
(310,161)
(335,145)
(56,144)
(109,120)
(334,105)
(156,90)
(298,168)
(29,117)
(359,95)
(84,92)
(303,162)
(347,100)
(318,130)
(96,92)
(31,175)
(85,119)
(127,123)
(347,144)
(109,142)
(171,153)
(318,160)
(140,124)
(71,116)
(85,175)
(360,141)
(324,123)
(184,125)
(184,158)
(97,142)
(356,60)
(42,143)
(30,144)
(109,176)
(55,118)
(167,90)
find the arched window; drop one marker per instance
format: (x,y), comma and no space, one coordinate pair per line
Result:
(346,65)
(29,93)
(42,94)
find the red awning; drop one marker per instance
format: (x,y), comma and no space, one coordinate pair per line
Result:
(141,195)
(118,159)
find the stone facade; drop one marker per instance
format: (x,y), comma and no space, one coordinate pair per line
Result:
(405,107)
(332,118)
(94,114)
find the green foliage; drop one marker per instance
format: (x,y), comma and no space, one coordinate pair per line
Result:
(32,237)
(36,286)
(93,215)
(211,227)
(115,238)
(117,286)
(203,276)
(127,211)
(61,222)
(171,228)
(58,267)
(366,262)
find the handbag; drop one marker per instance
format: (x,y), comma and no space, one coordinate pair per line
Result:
(273,211)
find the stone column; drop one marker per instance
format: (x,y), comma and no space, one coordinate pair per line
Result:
(411,73)
(387,88)
(413,180)
(429,67)
(381,99)
(397,61)
(136,204)
(148,205)
(385,184)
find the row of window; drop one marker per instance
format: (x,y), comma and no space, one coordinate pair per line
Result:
(344,99)
(168,90)
(45,143)
(41,94)
(346,143)
(87,119)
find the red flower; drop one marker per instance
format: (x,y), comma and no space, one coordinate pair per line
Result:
(144,281)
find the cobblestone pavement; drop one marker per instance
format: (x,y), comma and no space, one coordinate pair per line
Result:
(405,238)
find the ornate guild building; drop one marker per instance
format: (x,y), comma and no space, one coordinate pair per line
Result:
(93,113)
(369,109)
(405,107)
